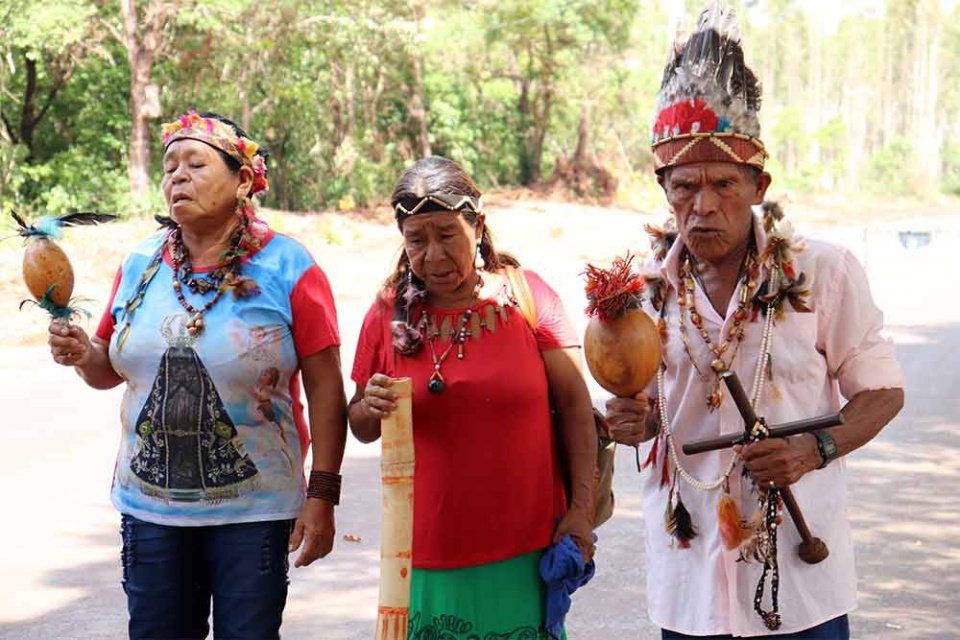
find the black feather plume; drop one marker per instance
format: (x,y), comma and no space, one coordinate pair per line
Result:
(679,523)
(85,218)
(165,222)
(20,221)
(49,226)
(711,65)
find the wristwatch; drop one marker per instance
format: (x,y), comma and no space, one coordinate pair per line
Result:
(827,447)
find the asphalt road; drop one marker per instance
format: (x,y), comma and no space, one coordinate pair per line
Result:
(59,543)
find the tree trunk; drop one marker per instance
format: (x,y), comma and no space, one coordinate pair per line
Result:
(33,111)
(583,132)
(140,54)
(814,108)
(417,108)
(928,144)
(542,108)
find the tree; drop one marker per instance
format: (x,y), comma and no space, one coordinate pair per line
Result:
(540,43)
(146,34)
(44,43)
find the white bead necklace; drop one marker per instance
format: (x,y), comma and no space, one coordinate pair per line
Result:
(759,377)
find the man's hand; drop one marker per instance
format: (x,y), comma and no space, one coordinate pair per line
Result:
(781,461)
(315,529)
(628,420)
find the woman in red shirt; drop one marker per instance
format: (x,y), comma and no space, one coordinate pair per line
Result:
(489,482)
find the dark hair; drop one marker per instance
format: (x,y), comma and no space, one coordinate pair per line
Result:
(751,173)
(748,171)
(232,163)
(435,175)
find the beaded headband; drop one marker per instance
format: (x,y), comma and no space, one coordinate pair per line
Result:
(433,202)
(219,135)
(709,100)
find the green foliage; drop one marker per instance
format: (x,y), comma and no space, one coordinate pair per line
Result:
(892,170)
(332,89)
(951,168)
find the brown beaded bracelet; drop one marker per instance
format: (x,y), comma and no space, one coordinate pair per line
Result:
(325,485)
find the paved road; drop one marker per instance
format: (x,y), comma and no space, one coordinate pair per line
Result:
(59,551)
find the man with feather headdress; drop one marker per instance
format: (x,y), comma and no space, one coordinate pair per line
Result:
(734,291)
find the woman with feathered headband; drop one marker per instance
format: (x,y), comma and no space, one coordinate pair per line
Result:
(489,349)
(734,292)
(213,324)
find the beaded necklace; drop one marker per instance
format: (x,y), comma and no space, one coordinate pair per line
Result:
(782,284)
(203,284)
(686,301)
(228,269)
(436,383)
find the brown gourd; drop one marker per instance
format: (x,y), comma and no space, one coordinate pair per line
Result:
(622,353)
(46,270)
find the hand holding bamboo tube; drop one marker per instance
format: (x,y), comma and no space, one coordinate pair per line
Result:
(396,543)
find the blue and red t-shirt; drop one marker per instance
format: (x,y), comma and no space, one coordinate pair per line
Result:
(487,479)
(213,427)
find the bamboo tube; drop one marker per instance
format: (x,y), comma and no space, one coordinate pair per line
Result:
(396,542)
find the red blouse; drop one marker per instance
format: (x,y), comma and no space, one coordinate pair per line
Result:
(487,484)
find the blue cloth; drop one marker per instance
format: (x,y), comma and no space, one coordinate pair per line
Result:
(564,571)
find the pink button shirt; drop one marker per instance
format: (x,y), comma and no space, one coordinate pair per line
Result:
(816,358)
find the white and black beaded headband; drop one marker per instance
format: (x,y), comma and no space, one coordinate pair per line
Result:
(433,202)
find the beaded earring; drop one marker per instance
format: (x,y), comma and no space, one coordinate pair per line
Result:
(479,261)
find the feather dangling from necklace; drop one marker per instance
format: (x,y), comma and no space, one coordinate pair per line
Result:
(733,529)
(679,523)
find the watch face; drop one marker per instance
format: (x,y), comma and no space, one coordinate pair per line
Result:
(827,446)
(830,447)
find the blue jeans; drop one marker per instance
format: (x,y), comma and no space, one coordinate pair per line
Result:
(171,574)
(836,629)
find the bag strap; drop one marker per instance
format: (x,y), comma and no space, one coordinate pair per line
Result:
(524,297)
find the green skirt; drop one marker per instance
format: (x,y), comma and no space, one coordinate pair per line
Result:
(497,601)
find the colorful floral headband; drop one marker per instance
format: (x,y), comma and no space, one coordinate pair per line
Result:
(219,135)
(435,202)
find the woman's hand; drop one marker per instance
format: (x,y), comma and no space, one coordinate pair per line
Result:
(628,420)
(69,344)
(577,523)
(314,529)
(378,399)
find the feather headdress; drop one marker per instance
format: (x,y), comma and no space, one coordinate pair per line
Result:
(709,101)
